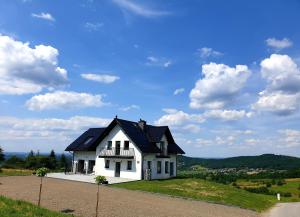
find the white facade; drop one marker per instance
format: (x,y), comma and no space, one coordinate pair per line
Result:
(139,161)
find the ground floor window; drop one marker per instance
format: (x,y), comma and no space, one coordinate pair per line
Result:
(129,165)
(158,167)
(106,164)
(167,167)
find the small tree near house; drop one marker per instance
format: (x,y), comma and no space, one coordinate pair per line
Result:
(1,155)
(41,172)
(99,180)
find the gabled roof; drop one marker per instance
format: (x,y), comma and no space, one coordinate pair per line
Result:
(145,139)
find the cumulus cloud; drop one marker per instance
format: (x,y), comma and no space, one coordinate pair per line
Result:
(178,91)
(44,16)
(102,78)
(207,52)
(279,44)
(26,70)
(282,93)
(93,26)
(139,9)
(64,100)
(289,138)
(131,107)
(158,61)
(227,115)
(219,86)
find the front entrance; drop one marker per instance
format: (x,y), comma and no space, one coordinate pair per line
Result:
(117,169)
(80,166)
(91,166)
(171,169)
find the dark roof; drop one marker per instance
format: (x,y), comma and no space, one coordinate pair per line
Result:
(79,143)
(144,139)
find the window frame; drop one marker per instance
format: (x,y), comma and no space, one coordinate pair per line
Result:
(107,164)
(109,145)
(129,165)
(158,167)
(166,167)
(125,146)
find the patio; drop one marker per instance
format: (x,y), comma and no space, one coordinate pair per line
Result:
(86,178)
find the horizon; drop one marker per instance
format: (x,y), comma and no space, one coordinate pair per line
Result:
(224,77)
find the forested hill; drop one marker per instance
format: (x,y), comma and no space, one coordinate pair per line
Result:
(266,161)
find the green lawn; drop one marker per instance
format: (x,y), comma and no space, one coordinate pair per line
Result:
(17,208)
(200,189)
(15,172)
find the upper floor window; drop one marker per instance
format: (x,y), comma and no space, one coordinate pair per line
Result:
(158,167)
(109,145)
(162,146)
(126,145)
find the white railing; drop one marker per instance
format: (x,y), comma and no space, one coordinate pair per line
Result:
(114,152)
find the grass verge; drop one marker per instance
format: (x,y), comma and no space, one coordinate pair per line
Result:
(199,189)
(18,208)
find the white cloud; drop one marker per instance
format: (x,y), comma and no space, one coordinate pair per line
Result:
(227,115)
(289,138)
(44,16)
(178,91)
(64,100)
(93,26)
(158,61)
(28,70)
(44,134)
(139,9)
(207,52)
(219,86)
(193,128)
(279,44)
(102,78)
(131,107)
(177,118)
(282,93)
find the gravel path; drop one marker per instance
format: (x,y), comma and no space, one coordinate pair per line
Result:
(284,210)
(80,199)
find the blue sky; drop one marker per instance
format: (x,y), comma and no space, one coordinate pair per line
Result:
(224,76)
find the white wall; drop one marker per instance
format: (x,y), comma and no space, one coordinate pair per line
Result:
(154,159)
(117,134)
(84,155)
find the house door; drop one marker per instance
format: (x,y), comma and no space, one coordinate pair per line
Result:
(171,169)
(118,147)
(80,167)
(117,169)
(91,166)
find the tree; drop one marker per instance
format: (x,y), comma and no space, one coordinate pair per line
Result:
(1,155)
(41,172)
(52,160)
(63,161)
(99,180)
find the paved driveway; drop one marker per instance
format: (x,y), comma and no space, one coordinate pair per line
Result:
(284,210)
(79,199)
(86,178)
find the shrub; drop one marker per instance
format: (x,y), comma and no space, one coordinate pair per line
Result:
(100,179)
(41,172)
(268,184)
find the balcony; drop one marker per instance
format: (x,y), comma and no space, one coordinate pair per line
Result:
(117,153)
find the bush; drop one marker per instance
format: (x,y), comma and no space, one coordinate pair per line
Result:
(281,182)
(100,179)
(41,172)
(268,184)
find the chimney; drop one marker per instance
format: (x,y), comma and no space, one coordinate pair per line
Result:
(142,124)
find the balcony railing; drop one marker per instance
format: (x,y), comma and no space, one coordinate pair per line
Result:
(117,153)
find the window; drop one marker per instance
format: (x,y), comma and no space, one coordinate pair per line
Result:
(88,140)
(158,167)
(126,145)
(167,167)
(118,146)
(109,145)
(106,164)
(149,165)
(129,165)
(162,146)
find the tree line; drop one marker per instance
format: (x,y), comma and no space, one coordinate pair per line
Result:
(36,160)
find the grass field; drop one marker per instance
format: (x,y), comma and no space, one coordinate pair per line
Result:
(17,208)
(15,172)
(292,186)
(199,189)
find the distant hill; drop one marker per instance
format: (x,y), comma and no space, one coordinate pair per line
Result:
(265,161)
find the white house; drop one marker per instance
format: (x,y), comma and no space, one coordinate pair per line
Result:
(133,150)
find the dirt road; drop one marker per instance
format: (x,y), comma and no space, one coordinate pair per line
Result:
(80,198)
(284,210)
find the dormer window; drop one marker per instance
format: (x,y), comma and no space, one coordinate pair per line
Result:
(88,140)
